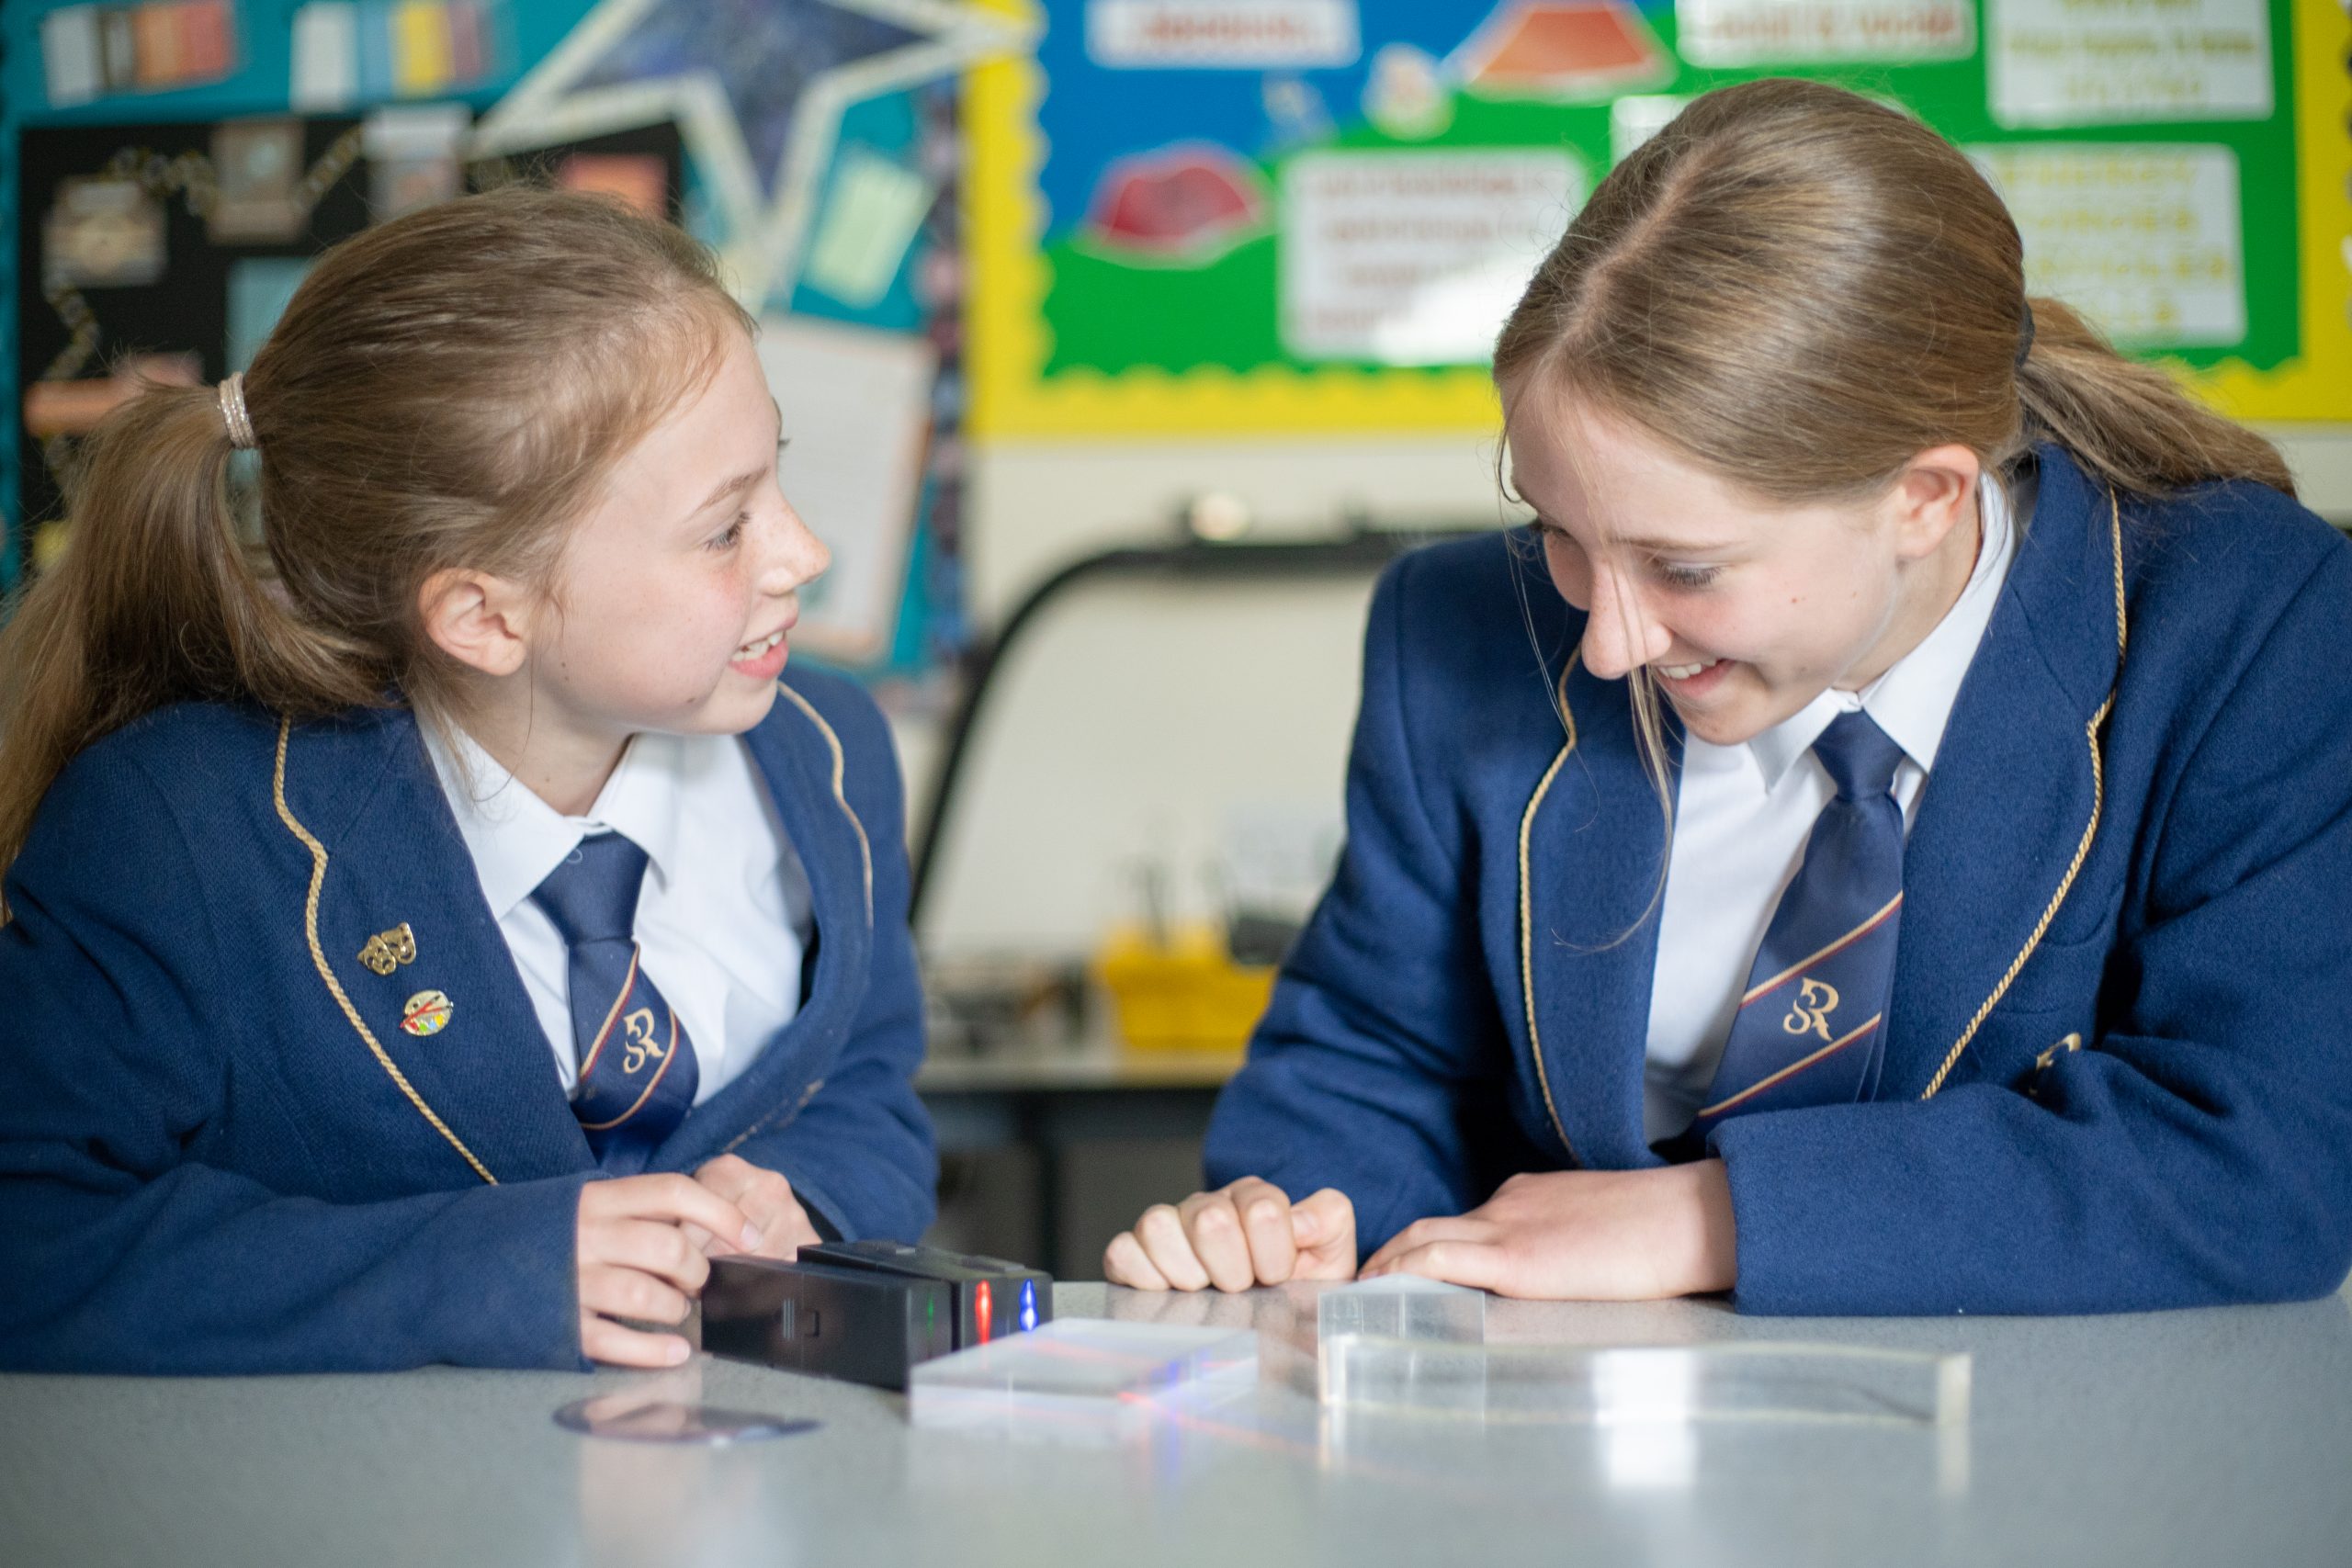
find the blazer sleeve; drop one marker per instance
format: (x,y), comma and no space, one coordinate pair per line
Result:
(1380,1066)
(859,1150)
(2198,1150)
(121,1249)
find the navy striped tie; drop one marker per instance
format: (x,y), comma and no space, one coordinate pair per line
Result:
(1811,1024)
(637,1067)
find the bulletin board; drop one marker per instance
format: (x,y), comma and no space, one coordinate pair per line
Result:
(167,170)
(1256,215)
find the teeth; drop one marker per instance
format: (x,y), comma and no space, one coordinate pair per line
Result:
(754,649)
(1684,671)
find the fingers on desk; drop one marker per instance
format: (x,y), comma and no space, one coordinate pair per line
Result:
(677,1199)
(648,1247)
(612,1292)
(602,1339)
(1266,1227)
(1213,1223)
(1458,1248)
(1169,1245)
(1323,1228)
(1125,1263)
(1246,1233)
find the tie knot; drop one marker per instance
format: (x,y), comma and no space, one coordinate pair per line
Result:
(1862,758)
(592,895)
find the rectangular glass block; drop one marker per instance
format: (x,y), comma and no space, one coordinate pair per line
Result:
(1644,1384)
(1078,1380)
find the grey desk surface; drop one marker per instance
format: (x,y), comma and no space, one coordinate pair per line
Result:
(2189,1438)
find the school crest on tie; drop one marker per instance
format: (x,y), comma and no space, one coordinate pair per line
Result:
(1809,1014)
(638,1030)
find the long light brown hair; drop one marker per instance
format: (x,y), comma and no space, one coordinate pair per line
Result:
(446,389)
(1801,290)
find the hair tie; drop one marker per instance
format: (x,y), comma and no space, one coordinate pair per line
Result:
(2025,339)
(232,413)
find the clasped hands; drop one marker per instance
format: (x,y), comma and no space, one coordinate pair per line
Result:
(1565,1236)
(645,1244)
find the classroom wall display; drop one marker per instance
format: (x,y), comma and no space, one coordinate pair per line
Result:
(163,214)
(1261,216)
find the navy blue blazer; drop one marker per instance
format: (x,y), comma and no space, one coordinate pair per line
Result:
(221,1153)
(2118,1074)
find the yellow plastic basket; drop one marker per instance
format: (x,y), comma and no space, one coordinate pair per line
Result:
(1186,995)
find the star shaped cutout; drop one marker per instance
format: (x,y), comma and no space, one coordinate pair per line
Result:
(757,88)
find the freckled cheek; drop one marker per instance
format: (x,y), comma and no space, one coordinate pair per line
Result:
(1569,573)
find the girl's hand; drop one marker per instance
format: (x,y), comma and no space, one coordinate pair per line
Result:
(1244,1234)
(1582,1236)
(636,1261)
(765,1198)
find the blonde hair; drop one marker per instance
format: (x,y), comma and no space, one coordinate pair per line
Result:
(446,389)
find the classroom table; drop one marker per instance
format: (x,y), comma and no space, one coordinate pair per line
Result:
(2194,1437)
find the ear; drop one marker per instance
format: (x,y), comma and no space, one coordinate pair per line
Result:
(1935,492)
(480,620)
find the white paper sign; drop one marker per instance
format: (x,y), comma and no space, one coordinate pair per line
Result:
(1637,116)
(2093,62)
(2145,240)
(1784,32)
(69,52)
(1231,35)
(1415,258)
(857,408)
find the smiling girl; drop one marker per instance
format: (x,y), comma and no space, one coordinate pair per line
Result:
(1881,842)
(436,925)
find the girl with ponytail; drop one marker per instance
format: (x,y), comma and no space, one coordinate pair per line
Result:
(1919,877)
(435,922)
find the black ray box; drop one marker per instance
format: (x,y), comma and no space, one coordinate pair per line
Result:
(993,1298)
(867,1311)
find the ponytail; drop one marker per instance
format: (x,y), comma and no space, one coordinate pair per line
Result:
(154,600)
(2129,423)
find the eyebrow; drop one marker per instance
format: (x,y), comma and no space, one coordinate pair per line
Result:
(744,480)
(1655,546)
(727,487)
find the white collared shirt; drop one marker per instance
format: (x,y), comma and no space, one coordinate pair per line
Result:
(1745,812)
(725,916)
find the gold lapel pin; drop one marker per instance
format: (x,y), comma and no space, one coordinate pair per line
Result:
(428,1012)
(387,951)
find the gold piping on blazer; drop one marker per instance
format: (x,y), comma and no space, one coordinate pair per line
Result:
(326,972)
(1527,919)
(777,1121)
(2090,829)
(840,767)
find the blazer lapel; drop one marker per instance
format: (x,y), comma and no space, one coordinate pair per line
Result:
(400,925)
(801,759)
(1591,852)
(2009,812)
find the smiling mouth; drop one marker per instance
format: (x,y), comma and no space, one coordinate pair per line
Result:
(754,649)
(1684,671)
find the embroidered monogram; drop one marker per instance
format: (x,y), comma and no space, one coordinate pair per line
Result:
(1809,1014)
(638,1027)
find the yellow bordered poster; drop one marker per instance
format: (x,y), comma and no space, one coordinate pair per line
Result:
(1264,217)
